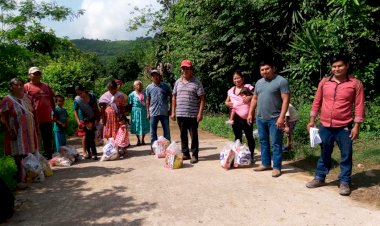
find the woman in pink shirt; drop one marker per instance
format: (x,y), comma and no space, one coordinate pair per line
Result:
(241,103)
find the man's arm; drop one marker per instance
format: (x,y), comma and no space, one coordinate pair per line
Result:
(201,108)
(284,108)
(173,107)
(252,109)
(147,105)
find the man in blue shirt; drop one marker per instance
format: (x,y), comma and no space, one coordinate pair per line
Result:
(157,105)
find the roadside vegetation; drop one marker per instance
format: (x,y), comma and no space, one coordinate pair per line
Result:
(219,36)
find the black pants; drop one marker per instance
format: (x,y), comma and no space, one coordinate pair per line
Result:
(46,130)
(241,125)
(91,147)
(189,125)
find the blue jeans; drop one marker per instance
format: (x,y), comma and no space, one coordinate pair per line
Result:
(164,119)
(342,136)
(267,128)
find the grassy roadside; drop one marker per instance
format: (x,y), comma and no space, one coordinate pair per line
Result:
(366,158)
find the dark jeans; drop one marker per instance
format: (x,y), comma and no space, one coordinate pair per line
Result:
(153,127)
(189,125)
(46,130)
(91,147)
(241,125)
(342,136)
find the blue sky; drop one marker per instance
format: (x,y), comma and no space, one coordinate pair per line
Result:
(103,19)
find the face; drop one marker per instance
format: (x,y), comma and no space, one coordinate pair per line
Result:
(89,125)
(112,90)
(186,72)
(267,71)
(60,101)
(17,87)
(121,122)
(156,78)
(35,77)
(138,86)
(81,93)
(339,69)
(238,80)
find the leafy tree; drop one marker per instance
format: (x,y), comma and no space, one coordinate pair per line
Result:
(124,68)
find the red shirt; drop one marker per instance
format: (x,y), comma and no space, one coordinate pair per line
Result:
(336,102)
(43,98)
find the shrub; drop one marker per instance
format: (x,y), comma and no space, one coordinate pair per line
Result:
(8,170)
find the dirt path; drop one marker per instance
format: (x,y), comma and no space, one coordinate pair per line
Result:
(140,191)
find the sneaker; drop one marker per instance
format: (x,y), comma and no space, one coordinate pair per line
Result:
(230,122)
(315,183)
(193,160)
(344,189)
(262,168)
(276,173)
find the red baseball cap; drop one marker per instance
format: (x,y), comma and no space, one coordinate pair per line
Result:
(186,63)
(118,81)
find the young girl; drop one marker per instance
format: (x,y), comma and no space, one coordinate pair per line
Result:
(122,136)
(239,107)
(61,119)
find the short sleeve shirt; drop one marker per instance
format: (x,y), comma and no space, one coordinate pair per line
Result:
(188,97)
(269,93)
(43,98)
(92,103)
(61,115)
(159,102)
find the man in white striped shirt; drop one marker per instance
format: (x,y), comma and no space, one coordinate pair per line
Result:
(188,103)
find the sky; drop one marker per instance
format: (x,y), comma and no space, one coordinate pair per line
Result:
(102,19)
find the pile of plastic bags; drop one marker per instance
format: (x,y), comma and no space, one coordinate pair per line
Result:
(235,155)
(66,157)
(35,167)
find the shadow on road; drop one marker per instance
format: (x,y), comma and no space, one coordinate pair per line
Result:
(67,199)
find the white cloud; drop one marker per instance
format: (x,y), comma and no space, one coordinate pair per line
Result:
(103,19)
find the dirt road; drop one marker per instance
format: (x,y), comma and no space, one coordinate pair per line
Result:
(140,191)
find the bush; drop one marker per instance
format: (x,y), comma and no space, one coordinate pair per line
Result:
(8,170)
(72,122)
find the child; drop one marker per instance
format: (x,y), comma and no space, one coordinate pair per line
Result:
(239,107)
(290,122)
(89,138)
(60,122)
(122,136)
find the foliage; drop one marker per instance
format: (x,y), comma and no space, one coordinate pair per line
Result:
(72,124)
(124,68)
(65,72)
(8,170)
(215,124)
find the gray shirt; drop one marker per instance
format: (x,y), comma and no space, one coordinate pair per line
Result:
(268,93)
(188,97)
(158,95)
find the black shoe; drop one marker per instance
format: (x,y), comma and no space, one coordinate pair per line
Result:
(186,156)
(96,157)
(88,156)
(194,160)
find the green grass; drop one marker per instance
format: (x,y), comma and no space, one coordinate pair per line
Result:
(215,124)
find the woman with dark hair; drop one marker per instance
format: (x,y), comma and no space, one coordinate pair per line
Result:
(112,105)
(17,116)
(240,123)
(85,107)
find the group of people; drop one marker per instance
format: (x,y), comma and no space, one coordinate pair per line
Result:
(339,103)
(30,109)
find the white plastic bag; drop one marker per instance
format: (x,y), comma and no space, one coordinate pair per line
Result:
(159,147)
(109,151)
(242,156)
(32,167)
(227,155)
(314,137)
(174,157)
